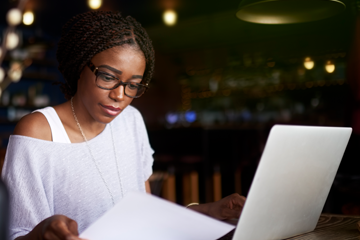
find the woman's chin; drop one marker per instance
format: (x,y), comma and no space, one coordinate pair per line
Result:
(106,119)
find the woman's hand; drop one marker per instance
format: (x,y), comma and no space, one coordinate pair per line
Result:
(227,208)
(57,227)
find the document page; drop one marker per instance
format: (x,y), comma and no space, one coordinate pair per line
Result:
(144,216)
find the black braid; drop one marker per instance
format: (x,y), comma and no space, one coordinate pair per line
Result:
(88,34)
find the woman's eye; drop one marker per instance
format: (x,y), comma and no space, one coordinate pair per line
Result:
(106,77)
(133,86)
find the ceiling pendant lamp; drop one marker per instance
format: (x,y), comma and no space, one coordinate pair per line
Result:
(288,11)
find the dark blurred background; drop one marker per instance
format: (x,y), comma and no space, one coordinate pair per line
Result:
(220,84)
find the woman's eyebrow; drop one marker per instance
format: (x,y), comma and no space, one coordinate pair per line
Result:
(111,68)
(137,76)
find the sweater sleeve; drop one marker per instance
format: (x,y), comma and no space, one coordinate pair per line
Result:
(22,174)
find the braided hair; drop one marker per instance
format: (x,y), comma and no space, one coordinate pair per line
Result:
(90,33)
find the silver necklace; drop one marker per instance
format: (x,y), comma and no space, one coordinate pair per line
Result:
(92,156)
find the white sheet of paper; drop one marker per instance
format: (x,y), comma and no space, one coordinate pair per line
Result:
(143,216)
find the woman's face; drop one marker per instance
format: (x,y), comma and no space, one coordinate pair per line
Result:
(128,64)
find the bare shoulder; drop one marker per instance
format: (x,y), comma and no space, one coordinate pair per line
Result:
(34,125)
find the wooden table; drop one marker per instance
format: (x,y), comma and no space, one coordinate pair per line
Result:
(329,227)
(334,227)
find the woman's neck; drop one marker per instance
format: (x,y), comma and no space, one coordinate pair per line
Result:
(90,127)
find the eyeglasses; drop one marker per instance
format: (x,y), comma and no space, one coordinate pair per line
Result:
(107,81)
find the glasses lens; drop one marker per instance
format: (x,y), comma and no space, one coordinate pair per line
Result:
(105,80)
(134,89)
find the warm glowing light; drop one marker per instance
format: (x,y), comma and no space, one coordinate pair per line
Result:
(12,40)
(170,17)
(94,4)
(28,18)
(309,63)
(13,17)
(2,74)
(15,72)
(330,67)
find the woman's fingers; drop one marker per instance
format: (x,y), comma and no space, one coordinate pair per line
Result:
(239,201)
(228,207)
(234,204)
(48,235)
(235,201)
(57,229)
(63,232)
(231,213)
(60,227)
(73,227)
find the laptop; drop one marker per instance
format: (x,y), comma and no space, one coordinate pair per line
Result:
(292,182)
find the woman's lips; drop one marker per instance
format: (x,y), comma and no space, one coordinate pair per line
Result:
(111,110)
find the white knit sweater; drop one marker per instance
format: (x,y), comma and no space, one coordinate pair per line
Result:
(46,178)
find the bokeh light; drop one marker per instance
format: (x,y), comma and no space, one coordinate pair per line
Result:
(330,67)
(13,17)
(2,74)
(15,75)
(172,118)
(170,17)
(190,116)
(28,18)
(309,63)
(12,40)
(15,71)
(95,4)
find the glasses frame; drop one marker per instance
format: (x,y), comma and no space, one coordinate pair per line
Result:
(95,70)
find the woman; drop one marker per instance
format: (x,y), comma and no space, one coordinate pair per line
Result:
(67,165)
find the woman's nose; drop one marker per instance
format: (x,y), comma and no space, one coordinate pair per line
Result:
(117,94)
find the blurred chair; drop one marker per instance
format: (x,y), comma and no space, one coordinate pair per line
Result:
(164,173)
(217,189)
(237,181)
(170,167)
(189,166)
(169,186)
(156,181)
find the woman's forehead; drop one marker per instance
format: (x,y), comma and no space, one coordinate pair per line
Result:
(120,52)
(122,59)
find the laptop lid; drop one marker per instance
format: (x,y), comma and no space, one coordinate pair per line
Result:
(292,181)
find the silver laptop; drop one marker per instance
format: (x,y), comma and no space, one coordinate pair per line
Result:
(292,181)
